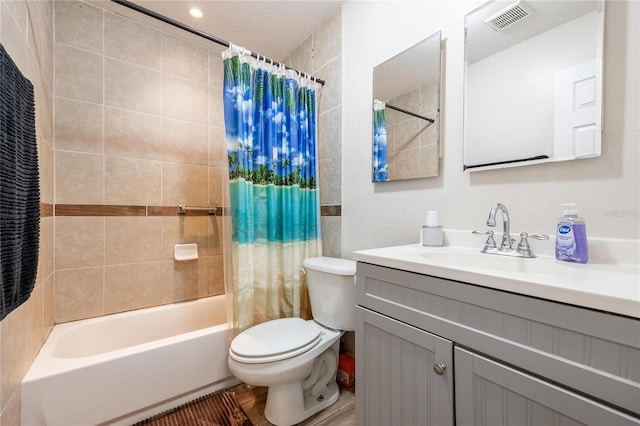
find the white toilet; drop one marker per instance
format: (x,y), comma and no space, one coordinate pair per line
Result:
(298,359)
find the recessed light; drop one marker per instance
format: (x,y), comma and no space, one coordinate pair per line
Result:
(195,12)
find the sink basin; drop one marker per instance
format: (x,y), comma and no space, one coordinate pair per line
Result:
(493,262)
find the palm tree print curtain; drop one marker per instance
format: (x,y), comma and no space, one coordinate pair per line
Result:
(270,124)
(380,160)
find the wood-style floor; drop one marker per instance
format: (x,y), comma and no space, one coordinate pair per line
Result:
(342,413)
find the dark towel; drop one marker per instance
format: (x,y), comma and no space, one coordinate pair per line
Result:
(19,187)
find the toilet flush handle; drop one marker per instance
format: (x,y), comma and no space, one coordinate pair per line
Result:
(303,273)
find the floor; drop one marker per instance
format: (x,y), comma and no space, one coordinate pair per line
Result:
(342,413)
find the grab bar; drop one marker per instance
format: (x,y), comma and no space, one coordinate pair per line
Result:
(182,209)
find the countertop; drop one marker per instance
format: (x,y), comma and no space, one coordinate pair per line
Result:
(611,288)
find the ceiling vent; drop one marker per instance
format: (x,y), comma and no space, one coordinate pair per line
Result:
(509,16)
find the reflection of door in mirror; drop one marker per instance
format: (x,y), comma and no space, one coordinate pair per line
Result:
(533,82)
(405,115)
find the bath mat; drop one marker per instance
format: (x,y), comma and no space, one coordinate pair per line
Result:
(216,409)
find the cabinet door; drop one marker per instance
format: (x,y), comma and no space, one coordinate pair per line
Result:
(396,381)
(491,393)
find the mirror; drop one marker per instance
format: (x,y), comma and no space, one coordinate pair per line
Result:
(533,82)
(406,93)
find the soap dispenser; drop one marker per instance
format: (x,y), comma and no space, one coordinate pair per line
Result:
(571,236)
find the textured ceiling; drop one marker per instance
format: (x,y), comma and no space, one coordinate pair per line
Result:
(270,28)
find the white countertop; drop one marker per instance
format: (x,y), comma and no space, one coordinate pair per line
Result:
(606,287)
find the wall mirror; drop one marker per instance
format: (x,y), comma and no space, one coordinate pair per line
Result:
(533,82)
(406,93)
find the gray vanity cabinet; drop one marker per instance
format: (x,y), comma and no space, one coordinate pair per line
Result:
(457,353)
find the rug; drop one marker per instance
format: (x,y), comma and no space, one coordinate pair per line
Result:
(216,409)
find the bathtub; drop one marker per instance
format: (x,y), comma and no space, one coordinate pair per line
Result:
(122,368)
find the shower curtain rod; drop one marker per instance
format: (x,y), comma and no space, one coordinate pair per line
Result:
(202,34)
(431,120)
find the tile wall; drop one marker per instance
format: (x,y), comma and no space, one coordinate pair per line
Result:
(320,55)
(412,143)
(138,124)
(26,32)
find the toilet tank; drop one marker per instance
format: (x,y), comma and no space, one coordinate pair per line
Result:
(332,291)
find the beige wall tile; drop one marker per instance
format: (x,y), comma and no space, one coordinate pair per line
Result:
(132,181)
(132,87)
(132,239)
(78,126)
(48,298)
(79,178)
(35,326)
(12,35)
(132,42)
(330,178)
(78,74)
(185,230)
(216,70)
(79,293)
(184,99)
(12,346)
(79,242)
(45,257)
(132,134)
(45,159)
(185,184)
(133,286)
(330,133)
(331,236)
(11,414)
(216,242)
(217,147)
(407,134)
(186,283)
(215,271)
(407,163)
(185,142)
(79,24)
(185,59)
(330,96)
(218,179)
(301,58)
(327,40)
(216,108)
(429,160)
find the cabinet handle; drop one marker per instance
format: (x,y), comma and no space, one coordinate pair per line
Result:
(439,368)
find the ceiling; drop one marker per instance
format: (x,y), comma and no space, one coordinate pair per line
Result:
(482,41)
(271,28)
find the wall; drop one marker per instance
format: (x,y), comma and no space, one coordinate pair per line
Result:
(26,32)
(320,55)
(606,188)
(138,131)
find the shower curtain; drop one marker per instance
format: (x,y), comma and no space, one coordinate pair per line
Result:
(380,160)
(270,124)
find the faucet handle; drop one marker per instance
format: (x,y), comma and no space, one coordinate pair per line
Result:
(490,243)
(523,246)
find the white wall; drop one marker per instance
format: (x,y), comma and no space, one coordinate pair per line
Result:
(375,215)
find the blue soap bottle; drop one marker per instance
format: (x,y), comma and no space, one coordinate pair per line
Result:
(571,236)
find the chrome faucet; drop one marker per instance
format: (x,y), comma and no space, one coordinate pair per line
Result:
(506,247)
(491,221)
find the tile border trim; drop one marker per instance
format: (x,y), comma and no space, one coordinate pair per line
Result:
(163,211)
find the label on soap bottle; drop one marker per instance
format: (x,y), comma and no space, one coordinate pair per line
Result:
(565,240)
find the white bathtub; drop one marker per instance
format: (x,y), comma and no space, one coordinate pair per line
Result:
(122,368)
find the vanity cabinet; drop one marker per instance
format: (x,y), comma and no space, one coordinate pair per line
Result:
(432,351)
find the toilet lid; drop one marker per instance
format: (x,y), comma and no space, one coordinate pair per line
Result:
(275,340)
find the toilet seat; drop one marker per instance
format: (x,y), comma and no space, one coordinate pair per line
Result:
(275,340)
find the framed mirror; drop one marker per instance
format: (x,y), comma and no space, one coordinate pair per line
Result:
(533,82)
(406,127)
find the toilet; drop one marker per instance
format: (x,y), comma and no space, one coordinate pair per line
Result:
(297,359)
